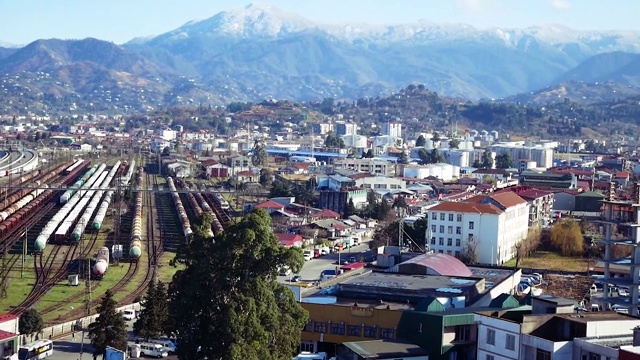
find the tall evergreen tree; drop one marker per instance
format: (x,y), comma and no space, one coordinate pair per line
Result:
(30,322)
(153,318)
(109,329)
(227,302)
(421,141)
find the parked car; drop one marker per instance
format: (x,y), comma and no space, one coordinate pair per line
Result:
(129,314)
(296,278)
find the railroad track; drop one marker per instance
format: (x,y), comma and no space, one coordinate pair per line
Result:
(86,252)
(47,274)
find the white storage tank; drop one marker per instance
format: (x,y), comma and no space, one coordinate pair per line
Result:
(356,141)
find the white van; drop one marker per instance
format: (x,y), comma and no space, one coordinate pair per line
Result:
(129,314)
(153,350)
(168,345)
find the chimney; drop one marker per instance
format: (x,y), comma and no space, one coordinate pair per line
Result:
(636,336)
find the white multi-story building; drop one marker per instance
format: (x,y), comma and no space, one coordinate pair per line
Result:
(378,182)
(542,154)
(393,129)
(346,128)
(444,172)
(494,224)
(367,165)
(322,128)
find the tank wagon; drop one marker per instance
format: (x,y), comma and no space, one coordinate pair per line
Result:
(75,165)
(12,200)
(78,184)
(197,209)
(102,263)
(135,241)
(56,220)
(216,226)
(182,214)
(81,225)
(62,233)
(19,181)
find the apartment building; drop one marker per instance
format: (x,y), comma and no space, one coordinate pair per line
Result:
(542,154)
(491,225)
(371,166)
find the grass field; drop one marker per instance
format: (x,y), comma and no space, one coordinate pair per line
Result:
(552,261)
(18,287)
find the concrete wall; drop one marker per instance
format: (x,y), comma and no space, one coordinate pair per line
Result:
(502,328)
(504,287)
(59,330)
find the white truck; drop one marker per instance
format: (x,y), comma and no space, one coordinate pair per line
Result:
(305,355)
(308,255)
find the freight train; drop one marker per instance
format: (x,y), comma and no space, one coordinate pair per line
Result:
(216,226)
(57,219)
(198,210)
(16,201)
(81,225)
(102,263)
(135,241)
(76,164)
(184,219)
(17,182)
(78,184)
(24,214)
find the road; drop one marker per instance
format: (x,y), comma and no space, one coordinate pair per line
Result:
(311,269)
(68,348)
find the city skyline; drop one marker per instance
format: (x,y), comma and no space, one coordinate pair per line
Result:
(121,21)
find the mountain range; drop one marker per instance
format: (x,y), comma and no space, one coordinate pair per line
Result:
(259,52)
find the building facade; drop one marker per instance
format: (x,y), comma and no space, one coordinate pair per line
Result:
(490,226)
(371,166)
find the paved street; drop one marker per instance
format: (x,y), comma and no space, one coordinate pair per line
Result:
(68,348)
(312,268)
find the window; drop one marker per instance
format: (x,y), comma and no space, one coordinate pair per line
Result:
(457,254)
(471,225)
(441,241)
(434,216)
(450,217)
(449,229)
(449,252)
(354,330)
(433,228)
(441,229)
(457,242)
(309,326)
(510,342)
(458,230)
(433,240)
(491,337)
(542,355)
(387,333)
(459,217)
(489,357)
(449,241)
(337,328)
(320,327)
(440,252)
(442,216)
(371,331)
(470,237)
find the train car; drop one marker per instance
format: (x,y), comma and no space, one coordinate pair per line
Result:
(16,196)
(82,223)
(224,204)
(135,240)
(102,211)
(102,263)
(182,214)
(78,184)
(61,215)
(76,164)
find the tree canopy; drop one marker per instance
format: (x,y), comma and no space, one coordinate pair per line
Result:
(154,316)
(503,161)
(333,141)
(30,322)
(109,329)
(421,141)
(227,301)
(567,237)
(259,156)
(280,188)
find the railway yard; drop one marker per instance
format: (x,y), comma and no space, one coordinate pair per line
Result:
(72,230)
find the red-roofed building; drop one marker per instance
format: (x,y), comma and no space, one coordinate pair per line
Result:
(270,206)
(540,202)
(326,214)
(248,176)
(290,240)
(492,225)
(9,335)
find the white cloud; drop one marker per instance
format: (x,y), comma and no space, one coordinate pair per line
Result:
(471,5)
(561,5)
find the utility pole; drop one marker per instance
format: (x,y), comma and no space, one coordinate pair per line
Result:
(87,300)
(24,252)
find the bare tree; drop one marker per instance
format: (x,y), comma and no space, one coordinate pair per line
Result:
(469,253)
(529,245)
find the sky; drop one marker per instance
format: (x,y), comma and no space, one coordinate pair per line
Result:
(23,21)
